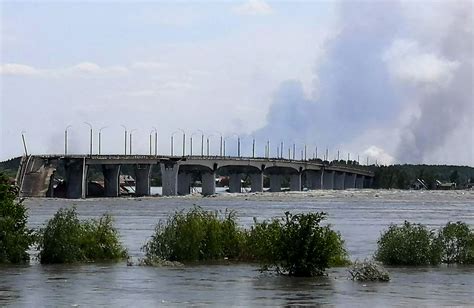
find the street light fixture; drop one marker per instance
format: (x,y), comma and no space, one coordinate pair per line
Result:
(156,140)
(131,140)
(65,139)
(91,131)
(100,136)
(24,142)
(125,138)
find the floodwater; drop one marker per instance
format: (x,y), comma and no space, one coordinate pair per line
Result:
(360,216)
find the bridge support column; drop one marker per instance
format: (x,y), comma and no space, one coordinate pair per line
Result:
(76,179)
(295,182)
(360,182)
(184,183)
(339,180)
(275,182)
(350,180)
(328,179)
(169,178)
(208,180)
(368,182)
(313,179)
(111,180)
(235,184)
(142,180)
(256,180)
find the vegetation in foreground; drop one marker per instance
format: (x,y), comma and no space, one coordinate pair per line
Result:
(408,244)
(295,245)
(196,235)
(15,237)
(414,244)
(66,239)
(457,242)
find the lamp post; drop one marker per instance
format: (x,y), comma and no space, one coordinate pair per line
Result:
(207,144)
(253,147)
(125,139)
(184,141)
(90,141)
(221,144)
(156,140)
(65,139)
(281,149)
(131,140)
(267,154)
(24,142)
(100,137)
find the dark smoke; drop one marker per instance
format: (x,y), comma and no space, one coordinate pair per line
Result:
(445,108)
(355,90)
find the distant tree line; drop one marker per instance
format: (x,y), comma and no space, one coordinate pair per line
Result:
(403,176)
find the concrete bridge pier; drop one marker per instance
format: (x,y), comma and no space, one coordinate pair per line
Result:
(350,180)
(328,179)
(208,180)
(256,180)
(360,182)
(111,180)
(295,182)
(169,178)
(235,184)
(76,178)
(142,179)
(275,182)
(184,183)
(368,182)
(313,179)
(339,180)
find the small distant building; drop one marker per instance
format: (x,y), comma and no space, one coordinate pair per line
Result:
(419,184)
(445,186)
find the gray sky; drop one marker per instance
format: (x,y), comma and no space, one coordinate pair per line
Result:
(390,80)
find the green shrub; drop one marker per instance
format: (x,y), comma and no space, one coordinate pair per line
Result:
(368,271)
(457,242)
(296,245)
(408,244)
(67,240)
(195,235)
(15,237)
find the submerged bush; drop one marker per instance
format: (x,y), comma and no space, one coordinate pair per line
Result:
(296,245)
(368,271)
(408,244)
(457,242)
(195,235)
(66,239)
(15,237)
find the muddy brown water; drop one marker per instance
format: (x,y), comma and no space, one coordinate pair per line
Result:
(359,216)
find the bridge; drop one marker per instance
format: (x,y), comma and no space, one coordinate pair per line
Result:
(36,173)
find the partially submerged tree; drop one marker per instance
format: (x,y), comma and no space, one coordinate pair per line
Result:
(15,237)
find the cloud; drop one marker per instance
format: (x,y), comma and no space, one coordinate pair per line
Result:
(18,69)
(82,69)
(409,64)
(375,153)
(254,7)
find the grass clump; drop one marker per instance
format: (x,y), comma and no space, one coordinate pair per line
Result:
(66,239)
(368,271)
(296,245)
(408,244)
(15,237)
(457,242)
(195,235)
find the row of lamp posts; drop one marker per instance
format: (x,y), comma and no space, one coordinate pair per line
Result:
(222,147)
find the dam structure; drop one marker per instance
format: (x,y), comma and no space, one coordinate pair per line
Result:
(37,173)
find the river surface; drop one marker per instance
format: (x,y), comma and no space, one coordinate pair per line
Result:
(360,216)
